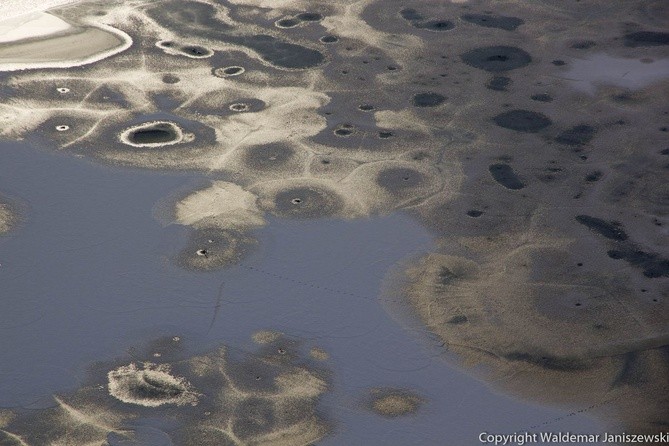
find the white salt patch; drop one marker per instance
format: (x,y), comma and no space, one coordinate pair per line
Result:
(15,8)
(227,203)
(34,24)
(586,74)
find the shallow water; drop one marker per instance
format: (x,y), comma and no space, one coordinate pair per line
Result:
(86,277)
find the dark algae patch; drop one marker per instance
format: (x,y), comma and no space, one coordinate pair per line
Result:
(610,230)
(493,21)
(231,71)
(287,23)
(170,79)
(427,99)
(329,39)
(280,53)
(541,97)
(548,361)
(458,320)
(310,17)
(398,179)
(583,44)
(594,176)
(646,38)
(653,265)
(576,136)
(497,58)
(504,175)
(268,157)
(411,14)
(417,20)
(498,83)
(524,121)
(435,25)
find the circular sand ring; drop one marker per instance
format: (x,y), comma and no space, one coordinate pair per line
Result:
(160,131)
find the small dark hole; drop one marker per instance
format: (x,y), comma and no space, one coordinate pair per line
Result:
(233,70)
(329,39)
(287,23)
(195,50)
(310,16)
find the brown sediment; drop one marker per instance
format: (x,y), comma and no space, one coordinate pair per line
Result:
(8,216)
(319,354)
(266,336)
(220,397)
(543,332)
(391,402)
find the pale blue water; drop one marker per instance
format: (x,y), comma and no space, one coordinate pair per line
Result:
(87,276)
